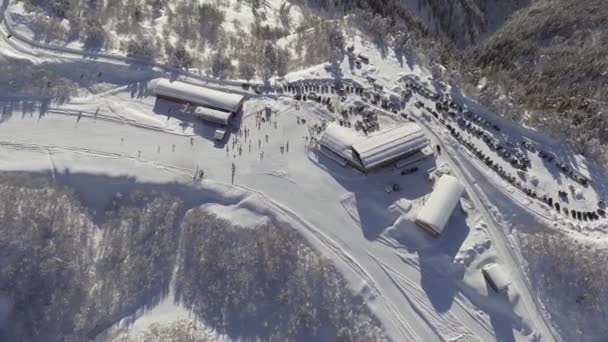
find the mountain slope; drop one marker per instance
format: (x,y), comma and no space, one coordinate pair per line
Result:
(551,59)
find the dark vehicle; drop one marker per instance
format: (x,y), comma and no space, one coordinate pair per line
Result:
(409,171)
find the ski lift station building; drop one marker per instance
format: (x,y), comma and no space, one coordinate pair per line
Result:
(439,206)
(213,105)
(379,149)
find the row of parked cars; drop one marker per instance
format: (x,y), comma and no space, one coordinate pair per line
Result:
(509,152)
(579,215)
(323,87)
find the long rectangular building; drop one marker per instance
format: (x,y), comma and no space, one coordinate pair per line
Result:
(389,145)
(203,96)
(368,152)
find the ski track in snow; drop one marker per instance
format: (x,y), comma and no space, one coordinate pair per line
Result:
(446,325)
(334,247)
(51,149)
(118,119)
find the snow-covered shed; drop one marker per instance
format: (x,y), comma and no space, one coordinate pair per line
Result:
(496,277)
(207,97)
(213,115)
(389,145)
(339,140)
(439,206)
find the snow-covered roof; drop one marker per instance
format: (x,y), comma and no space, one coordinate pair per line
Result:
(496,276)
(339,140)
(389,144)
(440,205)
(217,116)
(199,95)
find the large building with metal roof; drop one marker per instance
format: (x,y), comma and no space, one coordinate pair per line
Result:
(375,150)
(339,140)
(439,206)
(389,145)
(212,101)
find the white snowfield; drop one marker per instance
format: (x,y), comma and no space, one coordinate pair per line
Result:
(421,288)
(203,96)
(439,206)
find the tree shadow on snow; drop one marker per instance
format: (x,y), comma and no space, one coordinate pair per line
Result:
(88,73)
(26,105)
(408,56)
(138,89)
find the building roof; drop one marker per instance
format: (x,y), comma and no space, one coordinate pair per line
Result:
(339,139)
(217,116)
(496,276)
(389,144)
(439,206)
(199,95)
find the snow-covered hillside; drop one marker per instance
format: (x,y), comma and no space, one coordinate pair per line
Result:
(157,227)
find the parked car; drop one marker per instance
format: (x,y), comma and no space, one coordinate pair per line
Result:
(409,171)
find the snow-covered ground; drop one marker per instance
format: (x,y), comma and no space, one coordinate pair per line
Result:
(421,288)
